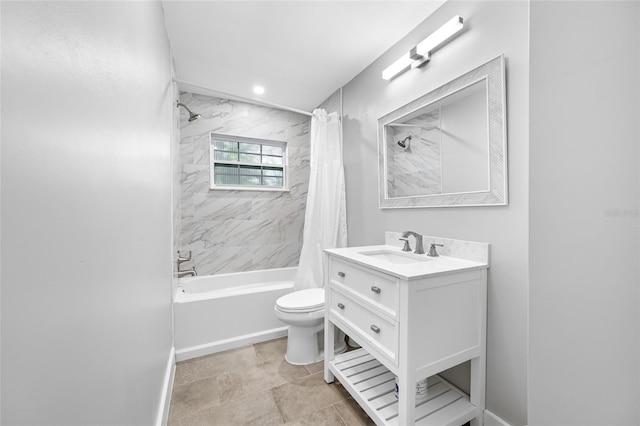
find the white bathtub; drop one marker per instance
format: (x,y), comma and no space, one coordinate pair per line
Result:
(218,312)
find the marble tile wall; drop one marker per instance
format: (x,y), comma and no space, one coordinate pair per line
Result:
(232,231)
(416,170)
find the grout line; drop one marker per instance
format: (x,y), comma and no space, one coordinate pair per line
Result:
(338,412)
(276,404)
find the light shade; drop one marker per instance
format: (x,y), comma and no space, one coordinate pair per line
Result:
(441,35)
(421,53)
(398,67)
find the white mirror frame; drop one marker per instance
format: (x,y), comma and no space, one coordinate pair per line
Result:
(494,73)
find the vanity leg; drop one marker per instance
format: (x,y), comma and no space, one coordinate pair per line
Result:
(479,364)
(329,348)
(477,394)
(406,399)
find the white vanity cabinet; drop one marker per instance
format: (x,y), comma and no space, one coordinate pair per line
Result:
(412,322)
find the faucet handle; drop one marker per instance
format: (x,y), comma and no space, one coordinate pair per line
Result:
(406,247)
(432,251)
(183,259)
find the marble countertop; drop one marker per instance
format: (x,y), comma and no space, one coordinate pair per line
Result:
(429,267)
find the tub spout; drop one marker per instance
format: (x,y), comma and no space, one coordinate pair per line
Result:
(189,272)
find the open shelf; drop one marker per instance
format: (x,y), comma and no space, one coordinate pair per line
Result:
(373,385)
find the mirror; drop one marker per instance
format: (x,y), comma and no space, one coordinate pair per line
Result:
(448,147)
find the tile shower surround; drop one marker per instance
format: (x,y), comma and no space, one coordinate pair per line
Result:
(232,231)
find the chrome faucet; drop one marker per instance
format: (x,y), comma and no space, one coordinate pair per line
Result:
(419,248)
(189,272)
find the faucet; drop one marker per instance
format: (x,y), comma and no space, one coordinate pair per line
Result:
(189,272)
(419,248)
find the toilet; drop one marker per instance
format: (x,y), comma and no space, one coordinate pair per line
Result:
(303,311)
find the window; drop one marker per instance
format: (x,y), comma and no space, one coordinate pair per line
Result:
(247,163)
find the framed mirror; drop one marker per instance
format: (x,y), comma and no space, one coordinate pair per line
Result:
(447,148)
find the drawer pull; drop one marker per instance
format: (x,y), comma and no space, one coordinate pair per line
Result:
(375,289)
(340,305)
(375,329)
(341,274)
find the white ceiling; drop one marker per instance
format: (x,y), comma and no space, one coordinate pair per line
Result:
(300,51)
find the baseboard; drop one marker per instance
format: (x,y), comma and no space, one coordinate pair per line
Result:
(167,385)
(491,419)
(235,342)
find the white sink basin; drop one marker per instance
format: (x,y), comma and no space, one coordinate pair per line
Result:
(400,258)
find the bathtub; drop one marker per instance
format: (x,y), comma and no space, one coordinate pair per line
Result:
(218,312)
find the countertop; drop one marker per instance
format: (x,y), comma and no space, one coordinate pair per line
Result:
(429,267)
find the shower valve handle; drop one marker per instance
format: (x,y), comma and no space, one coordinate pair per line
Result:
(183,259)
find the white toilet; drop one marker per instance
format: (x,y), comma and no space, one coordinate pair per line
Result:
(303,311)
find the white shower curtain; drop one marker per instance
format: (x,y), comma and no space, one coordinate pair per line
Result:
(325,220)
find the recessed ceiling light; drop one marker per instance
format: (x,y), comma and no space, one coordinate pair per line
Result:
(258,90)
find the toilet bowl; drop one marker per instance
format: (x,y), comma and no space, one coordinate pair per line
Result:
(303,311)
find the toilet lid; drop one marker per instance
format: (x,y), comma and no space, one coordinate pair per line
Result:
(302,300)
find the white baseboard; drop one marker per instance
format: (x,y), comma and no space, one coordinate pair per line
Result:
(491,419)
(236,342)
(167,385)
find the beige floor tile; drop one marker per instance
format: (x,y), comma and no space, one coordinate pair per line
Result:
(352,414)
(304,396)
(315,367)
(213,365)
(259,409)
(240,383)
(193,397)
(272,350)
(327,416)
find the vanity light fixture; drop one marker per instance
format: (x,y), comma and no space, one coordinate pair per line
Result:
(258,90)
(421,53)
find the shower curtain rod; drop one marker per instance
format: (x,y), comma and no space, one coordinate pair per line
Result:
(255,101)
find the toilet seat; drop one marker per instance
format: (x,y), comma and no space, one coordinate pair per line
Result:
(308,300)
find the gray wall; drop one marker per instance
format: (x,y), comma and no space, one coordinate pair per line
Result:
(585,111)
(491,28)
(86,212)
(231,231)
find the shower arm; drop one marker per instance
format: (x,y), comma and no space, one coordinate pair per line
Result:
(192,115)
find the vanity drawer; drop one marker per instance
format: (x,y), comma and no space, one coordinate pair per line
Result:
(375,287)
(372,327)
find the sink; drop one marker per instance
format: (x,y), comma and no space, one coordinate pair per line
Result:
(396,257)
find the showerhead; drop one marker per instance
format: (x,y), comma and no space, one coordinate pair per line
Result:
(404,143)
(192,116)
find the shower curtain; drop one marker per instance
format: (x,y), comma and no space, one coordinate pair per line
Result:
(325,220)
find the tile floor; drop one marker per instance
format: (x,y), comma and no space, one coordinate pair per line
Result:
(254,385)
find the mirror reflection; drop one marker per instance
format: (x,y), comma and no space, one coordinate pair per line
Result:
(440,148)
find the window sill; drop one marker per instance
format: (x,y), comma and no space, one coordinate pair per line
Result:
(247,188)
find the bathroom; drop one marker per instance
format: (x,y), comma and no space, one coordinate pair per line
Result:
(91,141)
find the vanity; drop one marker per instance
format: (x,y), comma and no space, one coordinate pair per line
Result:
(414,316)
